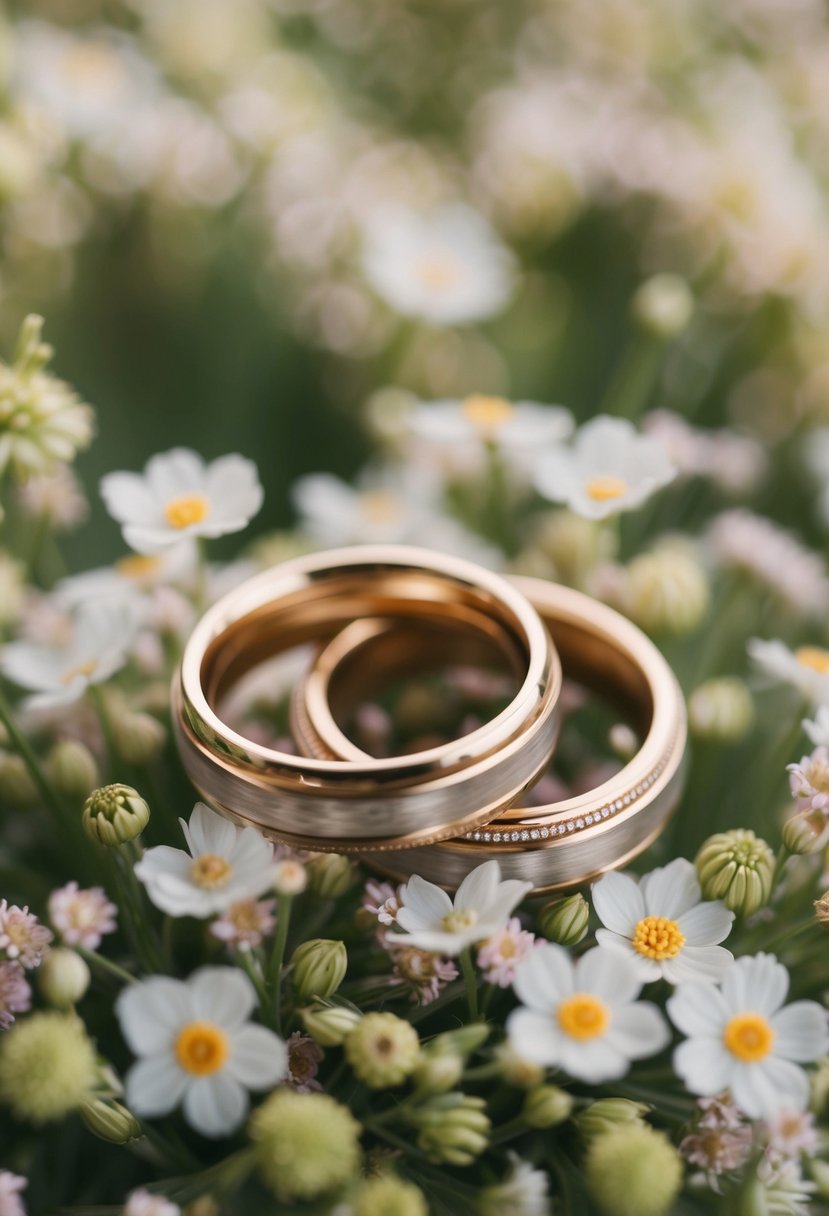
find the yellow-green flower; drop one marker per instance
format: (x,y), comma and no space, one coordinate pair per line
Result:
(307,1145)
(47,1067)
(383,1050)
(633,1171)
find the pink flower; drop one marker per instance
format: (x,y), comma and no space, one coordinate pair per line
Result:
(793,1132)
(10,1187)
(423,972)
(722,1140)
(809,781)
(304,1059)
(245,923)
(15,995)
(143,1203)
(82,917)
(499,956)
(21,935)
(380,899)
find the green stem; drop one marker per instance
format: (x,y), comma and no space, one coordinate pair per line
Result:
(508,1131)
(105,964)
(101,710)
(201,574)
(249,966)
(45,788)
(471,982)
(634,378)
(405,1146)
(283,921)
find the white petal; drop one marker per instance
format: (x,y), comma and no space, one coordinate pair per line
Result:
(671,890)
(800,1031)
(215,1105)
(594,1060)
(757,983)
(423,904)
(647,969)
(127,497)
(208,832)
(259,1058)
(544,978)
(706,924)
(704,1065)
(433,940)
(171,474)
(768,1086)
(698,1009)
(223,995)
(150,540)
(638,1030)
(479,887)
(698,965)
(618,903)
(151,1013)
(505,900)
(534,1037)
(608,974)
(154,1085)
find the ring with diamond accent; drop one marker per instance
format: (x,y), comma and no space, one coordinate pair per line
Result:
(564,843)
(351,805)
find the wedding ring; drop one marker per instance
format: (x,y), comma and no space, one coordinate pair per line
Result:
(565,843)
(365,804)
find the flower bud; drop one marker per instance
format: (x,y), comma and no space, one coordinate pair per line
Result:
(291,877)
(329,1025)
(383,1050)
(574,545)
(437,1074)
(667,591)
(17,787)
(565,920)
(608,1114)
(72,769)
(819,1082)
(547,1106)
(736,867)
(633,1171)
(663,305)
(115,814)
(388,1195)
(453,1128)
(819,1171)
(721,711)
(318,968)
(63,977)
(462,1041)
(330,875)
(516,1071)
(138,737)
(110,1121)
(806,832)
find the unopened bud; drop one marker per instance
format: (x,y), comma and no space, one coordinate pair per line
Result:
(73,769)
(318,967)
(663,305)
(565,920)
(437,1074)
(329,1025)
(667,591)
(383,1050)
(721,710)
(454,1128)
(736,867)
(547,1106)
(462,1041)
(115,814)
(330,875)
(63,977)
(138,737)
(608,1114)
(17,786)
(516,1071)
(110,1121)
(574,545)
(290,877)
(806,832)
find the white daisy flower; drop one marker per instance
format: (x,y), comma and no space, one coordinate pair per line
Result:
(180,497)
(512,425)
(609,468)
(134,574)
(100,639)
(817,728)
(806,669)
(447,267)
(197,1047)
(741,1038)
(481,908)
(225,865)
(582,1016)
(662,924)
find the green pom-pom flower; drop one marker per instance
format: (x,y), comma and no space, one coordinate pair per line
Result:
(633,1171)
(388,1195)
(383,1050)
(47,1067)
(307,1145)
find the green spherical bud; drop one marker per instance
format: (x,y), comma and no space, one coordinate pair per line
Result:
(383,1050)
(633,1171)
(663,305)
(462,1041)
(574,545)
(516,1071)
(736,867)
(318,968)
(547,1106)
(306,1145)
(115,814)
(138,737)
(438,1074)
(667,591)
(806,832)
(63,977)
(608,1114)
(453,1128)
(388,1195)
(329,1025)
(17,786)
(721,711)
(110,1121)
(72,769)
(330,875)
(565,920)
(47,1067)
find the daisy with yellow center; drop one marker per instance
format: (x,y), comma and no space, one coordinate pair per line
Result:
(197,1047)
(459,431)
(582,1015)
(742,1038)
(806,669)
(663,925)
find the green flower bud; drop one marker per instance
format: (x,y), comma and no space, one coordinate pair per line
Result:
(110,1121)
(663,305)
(516,1071)
(138,737)
(608,1114)
(63,977)
(721,711)
(17,786)
(736,867)
(330,875)
(72,769)
(329,1025)
(819,1171)
(115,814)
(806,832)
(547,1106)
(667,591)
(633,1171)
(453,1128)
(574,545)
(383,1050)
(388,1195)
(819,1081)
(438,1074)
(565,920)
(306,1145)
(318,968)
(47,1067)
(462,1041)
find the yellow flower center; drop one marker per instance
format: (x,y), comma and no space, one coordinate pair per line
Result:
(813,657)
(379,506)
(202,1048)
(137,566)
(81,669)
(438,272)
(456,922)
(187,510)
(749,1037)
(604,489)
(658,937)
(487,413)
(210,871)
(583,1016)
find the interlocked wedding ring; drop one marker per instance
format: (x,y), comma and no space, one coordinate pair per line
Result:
(565,843)
(358,805)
